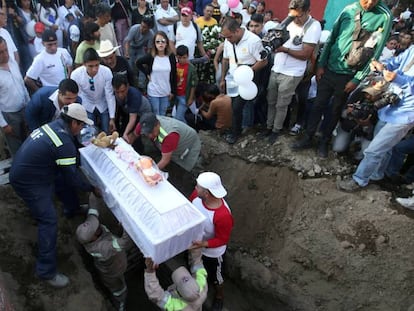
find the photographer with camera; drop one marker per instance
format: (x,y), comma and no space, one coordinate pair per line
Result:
(290,64)
(395,120)
(359,118)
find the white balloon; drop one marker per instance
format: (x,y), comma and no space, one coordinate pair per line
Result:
(221,2)
(30,29)
(224,8)
(248,91)
(238,8)
(243,74)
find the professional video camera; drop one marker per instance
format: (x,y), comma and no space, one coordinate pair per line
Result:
(362,110)
(276,37)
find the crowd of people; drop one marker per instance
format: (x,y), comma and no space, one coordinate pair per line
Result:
(165,72)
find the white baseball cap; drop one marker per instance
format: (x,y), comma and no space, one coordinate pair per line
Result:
(212,182)
(78,112)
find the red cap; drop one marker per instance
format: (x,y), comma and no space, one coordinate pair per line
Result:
(186,11)
(39,27)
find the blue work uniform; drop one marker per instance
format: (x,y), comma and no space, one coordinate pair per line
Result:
(49,151)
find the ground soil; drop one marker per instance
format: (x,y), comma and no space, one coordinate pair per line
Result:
(298,243)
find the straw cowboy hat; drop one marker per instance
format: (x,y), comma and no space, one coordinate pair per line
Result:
(106,48)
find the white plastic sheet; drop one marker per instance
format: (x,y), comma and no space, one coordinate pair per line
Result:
(159,219)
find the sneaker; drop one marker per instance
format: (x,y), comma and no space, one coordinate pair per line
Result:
(323,149)
(406,202)
(231,139)
(304,143)
(348,185)
(217,305)
(295,130)
(273,137)
(60,280)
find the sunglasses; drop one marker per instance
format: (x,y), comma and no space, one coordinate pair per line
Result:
(92,84)
(161,41)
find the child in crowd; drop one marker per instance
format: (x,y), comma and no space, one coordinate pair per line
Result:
(186,83)
(389,48)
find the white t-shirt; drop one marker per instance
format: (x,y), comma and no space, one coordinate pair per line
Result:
(247,51)
(50,68)
(101,96)
(39,47)
(386,54)
(11,47)
(289,65)
(185,36)
(160,86)
(161,13)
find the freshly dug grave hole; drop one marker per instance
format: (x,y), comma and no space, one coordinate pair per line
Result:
(313,247)
(296,241)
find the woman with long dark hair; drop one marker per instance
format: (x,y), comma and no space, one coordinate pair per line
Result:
(160,68)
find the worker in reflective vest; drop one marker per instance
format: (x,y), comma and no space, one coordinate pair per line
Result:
(49,150)
(176,140)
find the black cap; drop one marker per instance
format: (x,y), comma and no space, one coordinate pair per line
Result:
(49,36)
(148,121)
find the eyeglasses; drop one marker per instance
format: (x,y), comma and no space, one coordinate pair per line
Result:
(92,84)
(163,41)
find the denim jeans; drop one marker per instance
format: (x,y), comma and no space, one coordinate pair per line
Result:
(248,114)
(159,105)
(103,117)
(378,153)
(343,139)
(181,109)
(399,153)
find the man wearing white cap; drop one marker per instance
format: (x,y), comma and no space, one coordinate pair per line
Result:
(49,150)
(208,198)
(188,292)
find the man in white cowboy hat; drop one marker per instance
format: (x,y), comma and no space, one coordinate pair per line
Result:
(208,198)
(188,292)
(47,154)
(117,64)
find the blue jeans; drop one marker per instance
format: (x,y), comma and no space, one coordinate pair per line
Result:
(399,152)
(378,153)
(103,117)
(39,200)
(248,114)
(181,109)
(159,105)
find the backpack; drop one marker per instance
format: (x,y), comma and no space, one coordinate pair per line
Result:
(195,27)
(358,54)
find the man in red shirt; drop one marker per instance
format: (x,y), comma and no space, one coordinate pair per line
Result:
(176,140)
(207,197)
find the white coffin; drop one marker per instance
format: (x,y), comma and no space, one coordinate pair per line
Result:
(159,219)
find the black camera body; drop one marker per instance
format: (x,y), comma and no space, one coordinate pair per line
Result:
(362,110)
(275,37)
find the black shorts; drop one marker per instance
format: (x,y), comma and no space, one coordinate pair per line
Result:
(215,269)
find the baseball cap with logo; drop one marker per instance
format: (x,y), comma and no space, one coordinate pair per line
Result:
(49,36)
(186,11)
(77,111)
(185,284)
